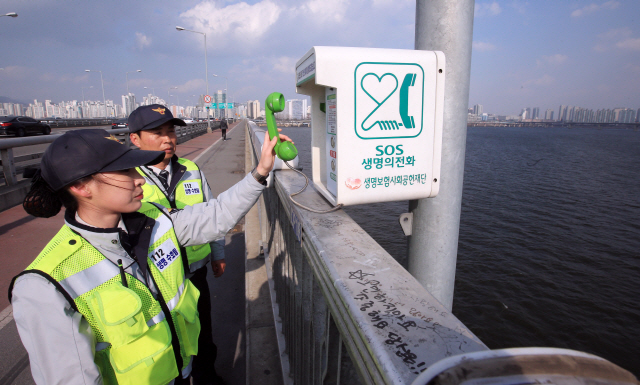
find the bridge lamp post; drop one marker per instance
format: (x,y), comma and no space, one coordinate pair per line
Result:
(10,14)
(104,100)
(127,75)
(206,70)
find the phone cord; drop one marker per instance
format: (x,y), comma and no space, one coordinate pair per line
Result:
(306,183)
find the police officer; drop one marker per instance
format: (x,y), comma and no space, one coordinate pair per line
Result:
(107,301)
(178,182)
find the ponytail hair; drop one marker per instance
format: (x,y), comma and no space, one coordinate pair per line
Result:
(42,202)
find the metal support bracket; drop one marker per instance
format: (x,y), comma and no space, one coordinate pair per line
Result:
(406,222)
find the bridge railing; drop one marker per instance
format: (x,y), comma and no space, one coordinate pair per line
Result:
(12,165)
(345,310)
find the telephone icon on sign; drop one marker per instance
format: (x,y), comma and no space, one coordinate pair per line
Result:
(389,100)
(409,81)
(381,89)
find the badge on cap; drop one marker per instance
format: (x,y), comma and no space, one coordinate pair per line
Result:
(111,137)
(159,110)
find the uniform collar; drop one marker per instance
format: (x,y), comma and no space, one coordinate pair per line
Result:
(177,172)
(114,243)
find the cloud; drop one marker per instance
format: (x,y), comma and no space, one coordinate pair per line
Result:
(285,65)
(621,38)
(519,6)
(239,22)
(629,44)
(324,10)
(193,86)
(543,81)
(556,59)
(481,46)
(142,40)
(487,9)
(591,8)
(17,72)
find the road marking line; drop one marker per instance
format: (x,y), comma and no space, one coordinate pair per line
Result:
(6,316)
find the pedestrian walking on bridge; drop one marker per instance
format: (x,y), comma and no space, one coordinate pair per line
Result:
(223,128)
(107,300)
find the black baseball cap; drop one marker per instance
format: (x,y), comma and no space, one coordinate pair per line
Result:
(81,153)
(152,116)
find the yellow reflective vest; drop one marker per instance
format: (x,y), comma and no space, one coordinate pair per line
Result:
(187,192)
(136,342)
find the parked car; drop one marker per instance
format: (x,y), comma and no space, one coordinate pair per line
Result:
(22,125)
(188,120)
(120,123)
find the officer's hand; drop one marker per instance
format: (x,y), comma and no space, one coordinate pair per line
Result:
(218,267)
(268,157)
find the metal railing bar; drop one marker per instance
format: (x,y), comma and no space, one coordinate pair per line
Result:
(356,346)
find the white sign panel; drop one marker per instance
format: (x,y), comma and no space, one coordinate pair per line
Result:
(382,110)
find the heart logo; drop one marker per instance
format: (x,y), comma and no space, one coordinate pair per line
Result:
(353,183)
(379,88)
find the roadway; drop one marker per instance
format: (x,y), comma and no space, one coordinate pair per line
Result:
(25,236)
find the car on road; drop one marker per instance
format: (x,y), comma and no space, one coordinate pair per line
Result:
(120,123)
(189,120)
(22,125)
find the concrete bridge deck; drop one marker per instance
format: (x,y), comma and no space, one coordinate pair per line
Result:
(22,237)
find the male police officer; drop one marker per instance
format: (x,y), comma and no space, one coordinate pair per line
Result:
(176,183)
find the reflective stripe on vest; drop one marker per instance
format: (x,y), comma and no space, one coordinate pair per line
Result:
(199,255)
(90,278)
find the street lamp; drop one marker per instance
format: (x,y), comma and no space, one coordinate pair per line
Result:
(83,93)
(127,74)
(10,14)
(104,100)
(206,70)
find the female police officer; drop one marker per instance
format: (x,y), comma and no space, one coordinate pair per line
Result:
(106,301)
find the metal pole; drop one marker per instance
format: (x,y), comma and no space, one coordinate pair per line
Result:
(104,100)
(206,74)
(444,25)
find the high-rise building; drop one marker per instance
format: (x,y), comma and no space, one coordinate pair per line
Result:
(253,109)
(535,113)
(128,103)
(477,109)
(548,114)
(523,114)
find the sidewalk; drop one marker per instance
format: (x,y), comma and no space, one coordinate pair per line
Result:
(22,237)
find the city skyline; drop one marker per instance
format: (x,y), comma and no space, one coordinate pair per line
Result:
(295,109)
(565,113)
(578,53)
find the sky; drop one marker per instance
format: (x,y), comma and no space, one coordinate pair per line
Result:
(541,53)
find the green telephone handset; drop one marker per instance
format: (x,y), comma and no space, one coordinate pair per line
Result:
(275,103)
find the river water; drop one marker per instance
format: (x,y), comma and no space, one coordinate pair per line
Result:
(549,248)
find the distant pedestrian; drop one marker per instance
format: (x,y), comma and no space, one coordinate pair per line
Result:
(223,128)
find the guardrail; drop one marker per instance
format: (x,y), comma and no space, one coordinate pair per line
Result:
(78,122)
(12,166)
(345,310)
